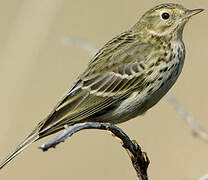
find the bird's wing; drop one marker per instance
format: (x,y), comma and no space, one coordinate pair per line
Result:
(117,69)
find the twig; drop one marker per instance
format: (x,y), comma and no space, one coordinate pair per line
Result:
(139,159)
(80,44)
(171,99)
(192,122)
(205,177)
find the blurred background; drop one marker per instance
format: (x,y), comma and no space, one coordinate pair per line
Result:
(36,68)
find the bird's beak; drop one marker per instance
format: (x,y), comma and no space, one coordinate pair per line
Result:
(190,13)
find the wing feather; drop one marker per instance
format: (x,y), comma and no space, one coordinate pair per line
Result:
(112,75)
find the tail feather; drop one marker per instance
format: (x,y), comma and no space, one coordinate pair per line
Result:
(29,140)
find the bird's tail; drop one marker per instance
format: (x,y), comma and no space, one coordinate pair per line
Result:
(29,140)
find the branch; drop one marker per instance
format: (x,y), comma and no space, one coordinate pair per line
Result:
(89,48)
(171,99)
(192,122)
(205,177)
(138,158)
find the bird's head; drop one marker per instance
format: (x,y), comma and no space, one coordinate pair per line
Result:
(165,19)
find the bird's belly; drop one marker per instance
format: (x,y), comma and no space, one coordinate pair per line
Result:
(137,104)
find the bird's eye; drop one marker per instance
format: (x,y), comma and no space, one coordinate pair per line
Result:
(165,15)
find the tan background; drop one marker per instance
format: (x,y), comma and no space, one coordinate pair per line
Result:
(36,69)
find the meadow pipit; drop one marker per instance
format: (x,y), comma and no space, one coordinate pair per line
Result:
(129,75)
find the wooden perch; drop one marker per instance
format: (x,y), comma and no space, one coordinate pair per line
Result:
(138,158)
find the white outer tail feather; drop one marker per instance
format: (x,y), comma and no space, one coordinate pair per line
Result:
(29,140)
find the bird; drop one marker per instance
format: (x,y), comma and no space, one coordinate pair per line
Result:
(126,77)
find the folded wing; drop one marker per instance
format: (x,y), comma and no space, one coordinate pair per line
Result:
(112,75)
